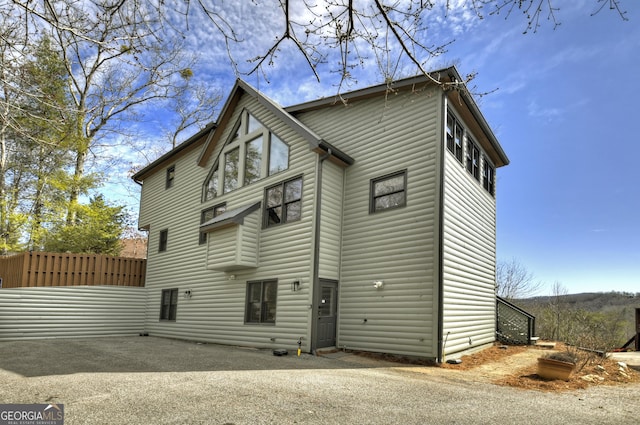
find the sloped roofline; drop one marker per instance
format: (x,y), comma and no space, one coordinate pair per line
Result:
(168,157)
(231,217)
(446,75)
(315,142)
(211,137)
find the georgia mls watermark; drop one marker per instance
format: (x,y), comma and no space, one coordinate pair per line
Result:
(31,414)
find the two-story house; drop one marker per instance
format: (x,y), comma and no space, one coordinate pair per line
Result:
(366,222)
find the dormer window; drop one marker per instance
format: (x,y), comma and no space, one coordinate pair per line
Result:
(252,153)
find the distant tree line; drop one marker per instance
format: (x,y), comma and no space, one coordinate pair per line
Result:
(597,321)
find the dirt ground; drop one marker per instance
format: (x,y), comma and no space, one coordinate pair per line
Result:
(516,366)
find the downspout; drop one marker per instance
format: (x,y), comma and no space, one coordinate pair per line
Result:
(441,152)
(316,254)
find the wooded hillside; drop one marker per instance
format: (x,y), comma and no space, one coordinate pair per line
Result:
(602,315)
(590,301)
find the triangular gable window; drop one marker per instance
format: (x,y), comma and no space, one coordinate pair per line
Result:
(252,153)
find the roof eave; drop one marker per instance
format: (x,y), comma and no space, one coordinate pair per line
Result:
(198,137)
(235,217)
(452,73)
(369,91)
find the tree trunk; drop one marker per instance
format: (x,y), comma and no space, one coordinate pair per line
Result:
(74,192)
(4,218)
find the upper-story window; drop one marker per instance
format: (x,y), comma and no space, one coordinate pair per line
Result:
(388,192)
(171,175)
(283,202)
(278,155)
(488,177)
(210,214)
(454,136)
(460,142)
(211,184)
(163,240)
(253,152)
(473,159)
(231,165)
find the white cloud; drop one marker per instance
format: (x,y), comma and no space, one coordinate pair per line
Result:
(546,113)
(550,114)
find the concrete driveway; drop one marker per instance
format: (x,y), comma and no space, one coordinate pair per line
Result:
(148,380)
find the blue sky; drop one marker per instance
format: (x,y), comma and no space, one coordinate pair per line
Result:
(565,113)
(564,109)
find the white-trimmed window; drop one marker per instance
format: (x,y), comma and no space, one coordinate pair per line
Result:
(252,153)
(388,192)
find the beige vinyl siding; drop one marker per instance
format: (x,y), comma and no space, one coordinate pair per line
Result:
(331,220)
(249,238)
(469,260)
(71,312)
(216,310)
(397,246)
(234,247)
(222,248)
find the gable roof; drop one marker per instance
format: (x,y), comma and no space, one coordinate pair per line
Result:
(316,143)
(208,137)
(456,93)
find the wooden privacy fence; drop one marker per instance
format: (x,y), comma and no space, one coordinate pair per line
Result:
(32,269)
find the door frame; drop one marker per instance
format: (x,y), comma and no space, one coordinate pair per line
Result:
(315,310)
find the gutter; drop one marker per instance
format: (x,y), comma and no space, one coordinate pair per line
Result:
(316,254)
(440,325)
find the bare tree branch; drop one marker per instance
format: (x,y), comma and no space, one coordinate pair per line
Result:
(515,281)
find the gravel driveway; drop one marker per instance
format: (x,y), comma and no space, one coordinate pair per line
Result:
(148,380)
